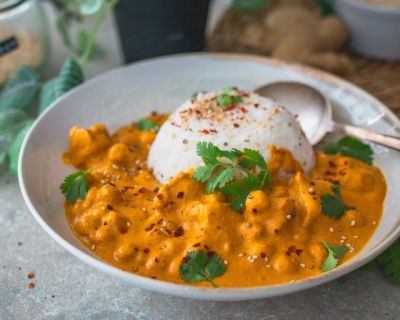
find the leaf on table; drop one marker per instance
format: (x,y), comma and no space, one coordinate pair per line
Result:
(89,7)
(70,76)
(390,261)
(15,147)
(21,90)
(249,5)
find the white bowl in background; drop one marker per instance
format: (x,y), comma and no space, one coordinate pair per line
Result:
(374,29)
(129,93)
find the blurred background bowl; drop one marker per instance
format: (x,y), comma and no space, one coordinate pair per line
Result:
(374,29)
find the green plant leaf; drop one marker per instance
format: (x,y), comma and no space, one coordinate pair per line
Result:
(70,76)
(89,7)
(15,147)
(63,28)
(351,147)
(20,91)
(199,266)
(333,205)
(147,125)
(249,5)
(75,186)
(12,121)
(334,254)
(326,7)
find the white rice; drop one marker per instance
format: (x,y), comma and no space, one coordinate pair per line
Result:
(255,123)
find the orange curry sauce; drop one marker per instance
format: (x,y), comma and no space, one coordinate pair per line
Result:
(136,224)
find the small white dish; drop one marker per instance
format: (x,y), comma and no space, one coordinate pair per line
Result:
(123,95)
(374,29)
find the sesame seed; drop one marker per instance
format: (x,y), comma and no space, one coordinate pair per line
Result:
(353,223)
(311,190)
(268,265)
(355,237)
(342,241)
(343,237)
(241,254)
(225,261)
(330,229)
(374,222)
(302,265)
(289,216)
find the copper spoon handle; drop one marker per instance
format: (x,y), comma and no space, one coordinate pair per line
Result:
(378,138)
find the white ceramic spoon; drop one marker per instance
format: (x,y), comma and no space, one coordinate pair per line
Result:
(314,112)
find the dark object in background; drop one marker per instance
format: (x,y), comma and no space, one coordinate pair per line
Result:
(151,28)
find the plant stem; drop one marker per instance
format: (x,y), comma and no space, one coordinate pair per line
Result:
(84,58)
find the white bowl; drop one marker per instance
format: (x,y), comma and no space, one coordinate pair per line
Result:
(374,29)
(123,95)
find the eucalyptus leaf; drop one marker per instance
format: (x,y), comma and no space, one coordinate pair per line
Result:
(69,77)
(89,7)
(21,90)
(15,147)
(249,5)
(63,28)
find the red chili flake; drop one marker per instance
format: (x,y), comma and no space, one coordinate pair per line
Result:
(31,275)
(20,243)
(312,183)
(155,189)
(330,173)
(123,230)
(153,277)
(276,230)
(136,249)
(243,109)
(205,131)
(293,249)
(111,184)
(262,255)
(342,172)
(142,190)
(146,250)
(157,260)
(180,194)
(171,203)
(178,232)
(236,125)
(31,285)
(109,207)
(160,196)
(256,105)
(218,227)
(185,259)
(149,227)
(255,210)
(196,245)
(211,253)
(332,164)
(213,131)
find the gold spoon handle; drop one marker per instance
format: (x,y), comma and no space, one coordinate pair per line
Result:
(378,138)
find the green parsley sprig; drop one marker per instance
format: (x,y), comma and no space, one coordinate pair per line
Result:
(334,254)
(147,125)
(199,266)
(351,147)
(220,167)
(75,186)
(333,205)
(228,98)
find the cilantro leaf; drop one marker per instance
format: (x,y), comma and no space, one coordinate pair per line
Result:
(390,261)
(228,98)
(219,172)
(332,205)
(198,266)
(75,186)
(147,125)
(334,254)
(351,147)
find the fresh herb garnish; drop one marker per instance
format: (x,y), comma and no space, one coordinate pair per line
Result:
(147,125)
(351,147)
(199,266)
(220,166)
(334,254)
(228,98)
(390,261)
(332,205)
(75,186)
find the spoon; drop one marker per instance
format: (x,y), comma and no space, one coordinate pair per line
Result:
(314,112)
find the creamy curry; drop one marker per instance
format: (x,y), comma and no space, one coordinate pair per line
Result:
(131,221)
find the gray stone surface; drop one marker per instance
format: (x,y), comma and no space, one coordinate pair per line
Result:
(66,288)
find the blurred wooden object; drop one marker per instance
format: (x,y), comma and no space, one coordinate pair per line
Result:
(380,78)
